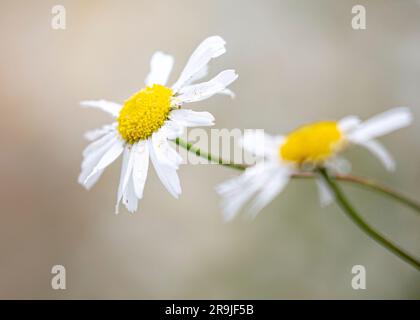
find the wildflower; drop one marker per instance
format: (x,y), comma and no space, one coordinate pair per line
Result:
(149,119)
(305,149)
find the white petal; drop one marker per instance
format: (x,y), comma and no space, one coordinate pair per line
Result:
(93,179)
(160,69)
(228,92)
(380,152)
(98,144)
(260,143)
(163,151)
(140,167)
(382,124)
(126,170)
(233,204)
(348,124)
(275,183)
(129,198)
(237,191)
(109,156)
(204,90)
(210,48)
(91,159)
(173,129)
(234,185)
(110,107)
(199,75)
(166,174)
(339,165)
(97,133)
(190,118)
(326,197)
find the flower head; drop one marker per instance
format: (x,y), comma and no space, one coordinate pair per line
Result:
(147,120)
(308,147)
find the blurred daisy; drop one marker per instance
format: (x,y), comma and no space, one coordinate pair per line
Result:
(306,148)
(148,119)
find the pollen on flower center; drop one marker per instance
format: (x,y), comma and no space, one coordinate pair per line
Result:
(313,143)
(144,113)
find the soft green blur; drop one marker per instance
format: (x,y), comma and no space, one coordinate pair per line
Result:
(298,61)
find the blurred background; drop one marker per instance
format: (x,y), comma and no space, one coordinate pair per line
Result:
(298,61)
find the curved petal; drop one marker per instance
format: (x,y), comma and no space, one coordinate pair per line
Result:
(210,48)
(110,107)
(228,92)
(160,69)
(380,152)
(204,90)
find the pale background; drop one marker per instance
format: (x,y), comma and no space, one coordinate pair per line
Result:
(298,61)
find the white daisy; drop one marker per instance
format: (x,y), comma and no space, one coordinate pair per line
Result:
(304,149)
(147,120)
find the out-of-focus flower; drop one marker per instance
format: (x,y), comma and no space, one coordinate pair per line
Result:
(148,119)
(305,149)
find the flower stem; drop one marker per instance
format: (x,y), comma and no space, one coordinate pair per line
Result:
(358,220)
(364,182)
(340,198)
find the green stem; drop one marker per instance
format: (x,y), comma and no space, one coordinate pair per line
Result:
(340,198)
(364,182)
(358,220)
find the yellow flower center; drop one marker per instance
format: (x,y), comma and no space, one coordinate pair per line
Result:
(144,113)
(313,143)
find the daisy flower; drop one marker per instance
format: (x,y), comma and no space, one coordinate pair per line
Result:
(147,120)
(308,147)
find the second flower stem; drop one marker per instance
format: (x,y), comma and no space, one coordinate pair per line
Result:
(339,196)
(360,222)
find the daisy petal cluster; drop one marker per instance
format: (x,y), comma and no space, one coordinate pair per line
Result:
(305,149)
(146,122)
